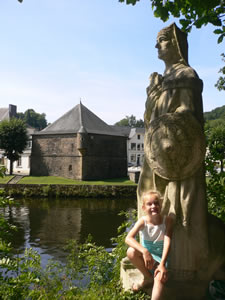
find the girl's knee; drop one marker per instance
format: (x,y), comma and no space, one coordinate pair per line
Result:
(131,252)
(158,280)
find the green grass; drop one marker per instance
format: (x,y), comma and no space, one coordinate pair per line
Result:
(5,179)
(61,180)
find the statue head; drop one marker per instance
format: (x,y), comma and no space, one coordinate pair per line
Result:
(177,45)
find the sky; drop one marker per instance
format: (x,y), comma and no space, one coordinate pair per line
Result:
(56,53)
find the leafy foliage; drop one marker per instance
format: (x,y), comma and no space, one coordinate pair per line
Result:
(2,171)
(217,113)
(215,135)
(215,189)
(215,157)
(220,85)
(91,272)
(36,120)
(13,139)
(190,13)
(193,13)
(130,121)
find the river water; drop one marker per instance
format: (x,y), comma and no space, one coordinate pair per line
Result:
(46,225)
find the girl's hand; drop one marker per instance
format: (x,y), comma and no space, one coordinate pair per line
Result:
(163,273)
(148,259)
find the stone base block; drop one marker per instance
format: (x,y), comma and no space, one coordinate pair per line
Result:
(173,289)
(129,274)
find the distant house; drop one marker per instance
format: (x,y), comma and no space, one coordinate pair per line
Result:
(135,144)
(22,165)
(8,112)
(79,145)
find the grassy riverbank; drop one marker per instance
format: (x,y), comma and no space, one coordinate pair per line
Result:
(55,187)
(61,180)
(5,179)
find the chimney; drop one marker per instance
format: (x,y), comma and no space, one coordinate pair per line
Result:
(12,111)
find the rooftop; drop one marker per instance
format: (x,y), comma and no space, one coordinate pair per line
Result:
(79,119)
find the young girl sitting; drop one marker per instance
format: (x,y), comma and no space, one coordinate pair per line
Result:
(150,255)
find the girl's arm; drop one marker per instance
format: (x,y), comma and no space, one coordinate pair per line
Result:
(166,247)
(132,242)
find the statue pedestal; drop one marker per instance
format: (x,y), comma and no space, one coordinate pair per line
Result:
(129,275)
(174,289)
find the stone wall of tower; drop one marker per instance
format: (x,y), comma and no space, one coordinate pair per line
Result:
(105,157)
(102,157)
(56,155)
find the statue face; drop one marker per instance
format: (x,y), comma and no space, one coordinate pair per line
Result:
(164,46)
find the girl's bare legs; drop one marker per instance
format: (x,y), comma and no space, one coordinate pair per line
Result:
(137,260)
(157,288)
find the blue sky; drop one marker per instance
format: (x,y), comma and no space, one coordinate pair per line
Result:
(56,52)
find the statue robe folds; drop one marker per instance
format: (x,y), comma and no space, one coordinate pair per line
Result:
(174,155)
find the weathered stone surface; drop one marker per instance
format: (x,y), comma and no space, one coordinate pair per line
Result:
(56,155)
(134,176)
(80,146)
(174,148)
(129,274)
(101,156)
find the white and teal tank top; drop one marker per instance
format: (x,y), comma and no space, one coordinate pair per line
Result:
(152,237)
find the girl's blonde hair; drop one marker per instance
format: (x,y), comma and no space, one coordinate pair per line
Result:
(149,193)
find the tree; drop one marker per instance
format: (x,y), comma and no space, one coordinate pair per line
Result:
(13,139)
(36,120)
(2,171)
(215,136)
(217,113)
(191,13)
(220,85)
(130,121)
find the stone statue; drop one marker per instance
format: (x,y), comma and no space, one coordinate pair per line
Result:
(174,155)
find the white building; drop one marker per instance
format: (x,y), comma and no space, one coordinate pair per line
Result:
(135,144)
(135,147)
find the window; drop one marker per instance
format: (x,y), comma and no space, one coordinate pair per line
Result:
(138,160)
(70,167)
(138,147)
(133,146)
(19,162)
(72,147)
(29,144)
(138,137)
(133,158)
(142,147)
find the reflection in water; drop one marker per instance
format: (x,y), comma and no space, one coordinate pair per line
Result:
(46,224)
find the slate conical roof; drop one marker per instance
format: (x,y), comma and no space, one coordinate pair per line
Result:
(79,119)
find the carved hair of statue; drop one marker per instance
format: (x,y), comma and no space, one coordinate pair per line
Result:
(179,38)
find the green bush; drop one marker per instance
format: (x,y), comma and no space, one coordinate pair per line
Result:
(215,188)
(22,277)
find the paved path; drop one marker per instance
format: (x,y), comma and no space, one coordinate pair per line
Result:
(15,179)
